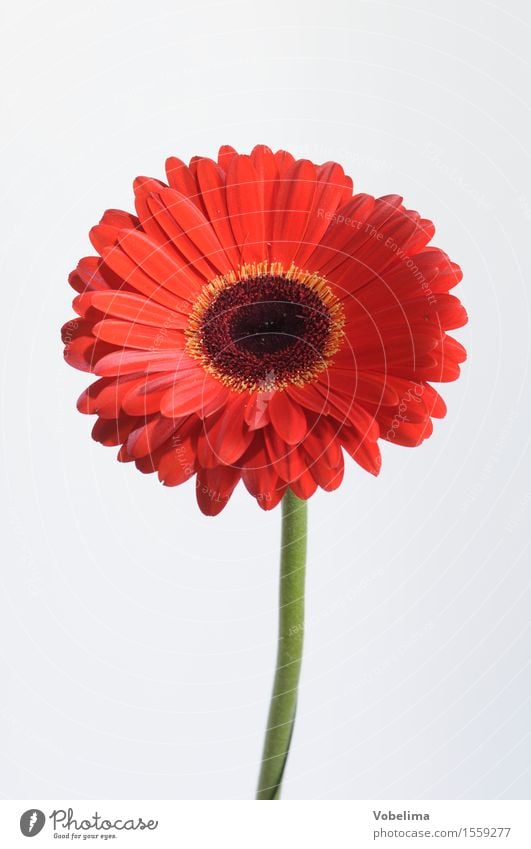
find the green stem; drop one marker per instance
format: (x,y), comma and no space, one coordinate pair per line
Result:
(289,653)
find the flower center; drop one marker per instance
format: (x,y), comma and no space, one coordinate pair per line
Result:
(265,328)
(268,326)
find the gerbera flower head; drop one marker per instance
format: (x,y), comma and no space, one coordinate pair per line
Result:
(257,320)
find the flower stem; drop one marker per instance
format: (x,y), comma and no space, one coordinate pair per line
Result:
(289,652)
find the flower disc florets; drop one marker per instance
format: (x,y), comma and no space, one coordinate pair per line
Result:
(265,328)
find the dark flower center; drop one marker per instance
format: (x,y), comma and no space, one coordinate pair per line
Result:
(265,331)
(266,327)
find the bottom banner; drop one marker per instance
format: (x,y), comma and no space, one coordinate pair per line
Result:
(240,825)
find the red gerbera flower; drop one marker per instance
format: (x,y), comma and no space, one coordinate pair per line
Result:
(257,320)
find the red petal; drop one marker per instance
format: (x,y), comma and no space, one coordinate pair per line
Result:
(309,398)
(111,432)
(287,460)
(227,435)
(343,232)
(409,434)
(159,264)
(287,418)
(363,386)
(178,463)
(345,409)
(305,486)
(144,396)
(225,156)
(322,445)
(434,403)
(381,246)
(327,478)
(132,307)
(258,474)
(128,362)
(244,203)
(328,192)
(181,178)
(364,451)
(106,232)
(284,161)
(88,277)
(266,167)
(211,180)
(146,438)
(215,487)
(190,232)
(132,335)
(85,352)
(293,203)
(191,393)
(256,413)
(128,269)
(105,396)
(273,497)
(350,268)
(143,188)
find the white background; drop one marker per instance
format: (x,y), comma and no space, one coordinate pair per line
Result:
(137,636)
